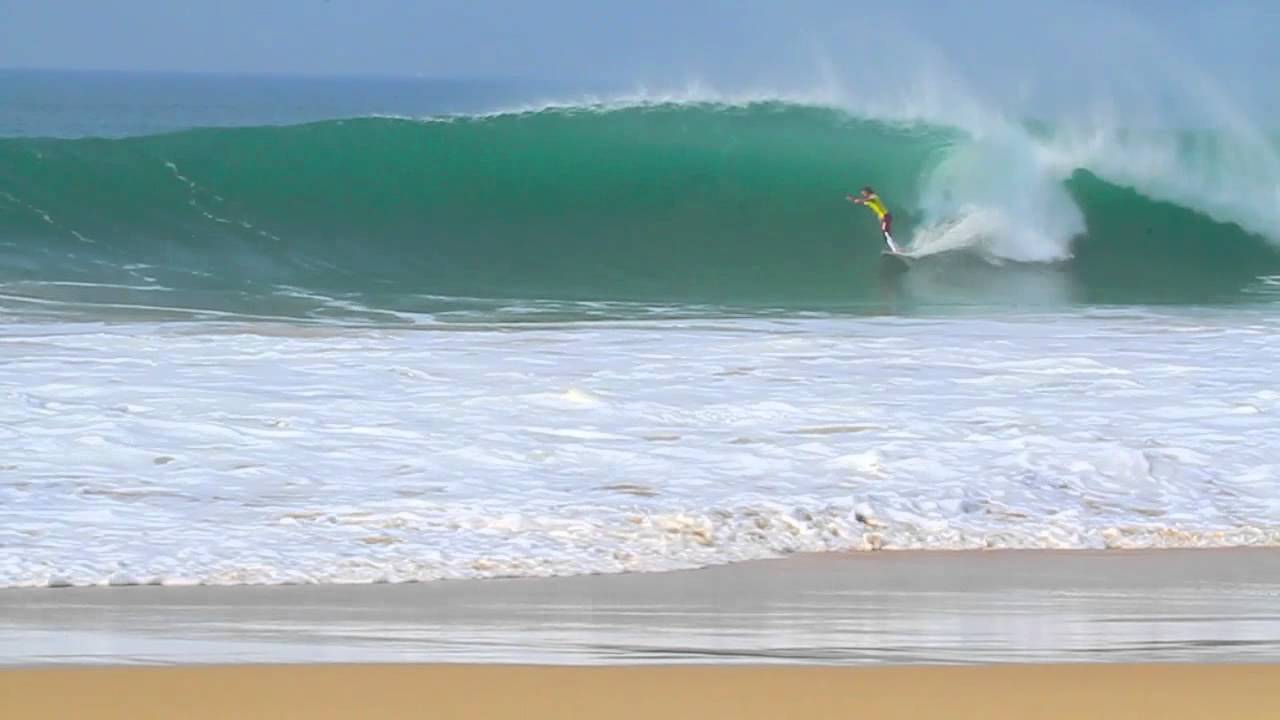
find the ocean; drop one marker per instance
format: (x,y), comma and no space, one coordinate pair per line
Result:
(262,330)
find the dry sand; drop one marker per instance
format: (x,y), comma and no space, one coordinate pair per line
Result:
(318,692)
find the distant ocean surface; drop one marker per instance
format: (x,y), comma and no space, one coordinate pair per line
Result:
(267,330)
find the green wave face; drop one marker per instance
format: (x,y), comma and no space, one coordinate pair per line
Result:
(668,203)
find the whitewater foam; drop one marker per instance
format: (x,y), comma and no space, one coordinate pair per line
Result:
(262,453)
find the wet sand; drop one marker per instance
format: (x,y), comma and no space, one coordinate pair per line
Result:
(1171,634)
(858,609)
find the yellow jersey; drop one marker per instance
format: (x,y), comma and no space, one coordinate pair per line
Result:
(877,205)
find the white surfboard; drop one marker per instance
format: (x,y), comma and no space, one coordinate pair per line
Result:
(894,251)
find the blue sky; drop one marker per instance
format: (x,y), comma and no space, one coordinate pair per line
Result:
(1000,46)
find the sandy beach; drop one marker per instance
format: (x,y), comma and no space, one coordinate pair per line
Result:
(1174,634)
(317,692)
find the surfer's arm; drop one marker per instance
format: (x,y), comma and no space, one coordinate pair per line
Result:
(854,200)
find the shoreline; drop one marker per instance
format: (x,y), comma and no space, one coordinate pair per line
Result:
(905,607)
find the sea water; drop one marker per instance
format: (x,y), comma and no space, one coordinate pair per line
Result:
(337,347)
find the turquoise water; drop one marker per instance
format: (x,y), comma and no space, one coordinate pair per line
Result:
(685,203)
(305,331)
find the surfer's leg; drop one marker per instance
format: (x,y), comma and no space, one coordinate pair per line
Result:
(886,226)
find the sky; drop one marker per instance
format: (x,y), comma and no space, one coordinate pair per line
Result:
(1037,47)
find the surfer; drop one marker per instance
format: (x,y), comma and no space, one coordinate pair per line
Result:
(870,199)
